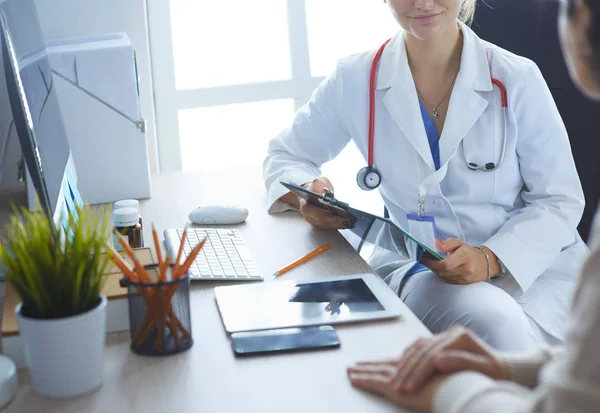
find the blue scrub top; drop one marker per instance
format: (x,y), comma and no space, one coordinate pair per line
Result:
(434,145)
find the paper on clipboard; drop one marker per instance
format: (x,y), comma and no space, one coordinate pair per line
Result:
(367,226)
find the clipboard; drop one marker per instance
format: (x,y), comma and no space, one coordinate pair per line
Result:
(365,224)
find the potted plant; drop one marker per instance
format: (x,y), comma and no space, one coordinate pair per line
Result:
(57,270)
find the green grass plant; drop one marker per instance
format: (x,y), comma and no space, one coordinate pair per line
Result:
(56,272)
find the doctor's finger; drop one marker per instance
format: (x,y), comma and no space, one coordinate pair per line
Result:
(449,245)
(457,259)
(325,220)
(469,272)
(458,279)
(439,268)
(329,222)
(433,264)
(319,184)
(314,212)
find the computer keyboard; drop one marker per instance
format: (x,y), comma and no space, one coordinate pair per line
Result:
(223,257)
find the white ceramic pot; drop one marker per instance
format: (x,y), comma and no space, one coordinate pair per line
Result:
(65,356)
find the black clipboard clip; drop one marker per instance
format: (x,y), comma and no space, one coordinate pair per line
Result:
(328,198)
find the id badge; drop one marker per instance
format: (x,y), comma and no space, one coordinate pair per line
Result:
(423,229)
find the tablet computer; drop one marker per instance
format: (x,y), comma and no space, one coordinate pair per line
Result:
(286,303)
(366,226)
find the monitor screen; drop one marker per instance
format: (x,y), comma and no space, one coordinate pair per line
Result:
(34,102)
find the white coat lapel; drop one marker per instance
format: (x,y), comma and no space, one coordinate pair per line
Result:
(401,97)
(466,105)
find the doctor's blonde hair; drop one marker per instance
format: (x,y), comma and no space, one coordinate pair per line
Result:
(467,10)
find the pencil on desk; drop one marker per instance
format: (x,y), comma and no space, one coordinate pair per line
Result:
(190,259)
(121,263)
(179,252)
(158,254)
(302,260)
(142,273)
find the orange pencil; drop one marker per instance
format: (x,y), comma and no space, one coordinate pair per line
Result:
(190,259)
(179,252)
(121,263)
(142,273)
(302,260)
(157,246)
(164,268)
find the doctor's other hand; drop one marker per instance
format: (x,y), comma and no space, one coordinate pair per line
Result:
(321,217)
(456,349)
(464,265)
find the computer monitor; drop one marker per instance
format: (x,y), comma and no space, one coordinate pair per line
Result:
(35,108)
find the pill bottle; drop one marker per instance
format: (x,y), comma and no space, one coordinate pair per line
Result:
(131,203)
(126,221)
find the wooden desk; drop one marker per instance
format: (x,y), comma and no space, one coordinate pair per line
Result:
(208,378)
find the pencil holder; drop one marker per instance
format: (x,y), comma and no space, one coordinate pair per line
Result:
(159,314)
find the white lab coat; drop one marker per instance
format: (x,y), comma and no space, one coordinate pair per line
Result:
(526,211)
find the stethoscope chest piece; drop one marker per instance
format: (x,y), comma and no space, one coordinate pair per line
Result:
(368,178)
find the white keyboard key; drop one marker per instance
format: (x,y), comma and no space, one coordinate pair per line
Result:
(244,253)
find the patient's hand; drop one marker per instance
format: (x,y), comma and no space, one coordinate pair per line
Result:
(377,378)
(457,349)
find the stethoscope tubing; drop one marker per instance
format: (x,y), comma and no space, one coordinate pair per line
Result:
(371,132)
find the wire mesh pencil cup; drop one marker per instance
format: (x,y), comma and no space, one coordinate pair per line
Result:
(159,314)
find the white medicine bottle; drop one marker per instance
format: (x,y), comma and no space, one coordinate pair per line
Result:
(132,203)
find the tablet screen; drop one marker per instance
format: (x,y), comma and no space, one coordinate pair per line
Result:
(289,303)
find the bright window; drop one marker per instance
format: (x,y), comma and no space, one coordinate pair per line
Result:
(338,28)
(229,75)
(239,132)
(222,43)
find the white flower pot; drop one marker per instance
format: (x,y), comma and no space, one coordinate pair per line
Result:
(65,356)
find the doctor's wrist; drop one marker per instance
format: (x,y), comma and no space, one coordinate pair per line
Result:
(291,199)
(495,268)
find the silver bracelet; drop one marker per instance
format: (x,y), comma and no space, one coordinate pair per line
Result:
(489,264)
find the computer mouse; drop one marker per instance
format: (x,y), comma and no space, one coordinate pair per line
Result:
(218,214)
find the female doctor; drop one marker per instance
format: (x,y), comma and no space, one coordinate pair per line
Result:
(463,136)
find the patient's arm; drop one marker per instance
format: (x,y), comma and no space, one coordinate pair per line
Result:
(524,367)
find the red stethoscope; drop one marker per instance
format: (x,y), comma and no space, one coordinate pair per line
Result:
(369,177)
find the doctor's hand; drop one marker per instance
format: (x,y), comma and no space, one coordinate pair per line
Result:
(321,217)
(464,265)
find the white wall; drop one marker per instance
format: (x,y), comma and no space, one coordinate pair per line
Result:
(73,18)
(76,18)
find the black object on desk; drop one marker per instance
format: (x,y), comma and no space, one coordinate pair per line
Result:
(284,340)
